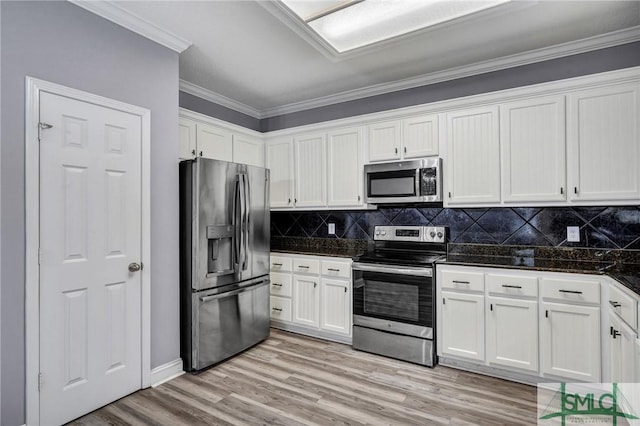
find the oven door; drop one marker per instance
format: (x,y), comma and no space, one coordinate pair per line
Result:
(397,299)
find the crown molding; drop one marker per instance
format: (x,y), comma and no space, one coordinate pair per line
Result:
(544,54)
(219,99)
(109,10)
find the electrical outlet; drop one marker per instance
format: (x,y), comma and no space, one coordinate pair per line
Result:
(573,234)
(332,229)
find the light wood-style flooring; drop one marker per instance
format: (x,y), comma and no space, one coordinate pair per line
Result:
(296,380)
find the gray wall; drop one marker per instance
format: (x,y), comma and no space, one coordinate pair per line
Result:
(212,109)
(608,59)
(62,43)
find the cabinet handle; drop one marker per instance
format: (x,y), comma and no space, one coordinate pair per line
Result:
(277,309)
(295,200)
(303,266)
(561,190)
(405,149)
(276,264)
(396,149)
(449,194)
(461,282)
(443,300)
(193,151)
(511,286)
(333,269)
(345,289)
(570,291)
(616,333)
(289,202)
(358,198)
(491,306)
(200,153)
(277,285)
(315,285)
(546,314)
(575,189)
(614,304)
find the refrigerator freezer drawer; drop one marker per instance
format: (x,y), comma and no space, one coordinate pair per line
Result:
(228,323)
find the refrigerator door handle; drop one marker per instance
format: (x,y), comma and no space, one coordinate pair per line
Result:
(237,222)
(205,299)
(243,226)
(247,211)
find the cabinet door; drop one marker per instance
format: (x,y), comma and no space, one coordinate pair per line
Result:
(306,300)
(570,341)
(344,167)
(187,139)
(336,306)
(462,325)
(248,150)
(280,164)
(420,136)
(622,350)
(512,332)
(532,136)
(604,144)
(310,166)
(384,141)
(214,142)
(473,156)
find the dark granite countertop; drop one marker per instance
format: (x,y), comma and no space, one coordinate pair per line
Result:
(348,253)
(622,265)
(336,247)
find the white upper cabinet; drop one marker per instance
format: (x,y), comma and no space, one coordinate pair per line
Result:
(604,144)
(280,163)
(214,142)
(473,162)
(187,139)
(310,170)
(420,136)
(413,137)
(384,141)
(345,167)
(248,150)
(532,137)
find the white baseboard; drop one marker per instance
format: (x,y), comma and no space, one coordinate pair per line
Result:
(166,372)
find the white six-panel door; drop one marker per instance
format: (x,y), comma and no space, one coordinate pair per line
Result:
(90,231)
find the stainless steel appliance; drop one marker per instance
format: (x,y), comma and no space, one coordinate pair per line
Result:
(224,260)
(394,290)
(415,181)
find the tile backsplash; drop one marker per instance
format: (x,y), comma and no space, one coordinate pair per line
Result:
(600,227)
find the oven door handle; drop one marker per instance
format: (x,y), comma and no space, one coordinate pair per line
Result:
(392,269)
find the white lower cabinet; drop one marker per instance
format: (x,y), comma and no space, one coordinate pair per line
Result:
(462,325)
(512,332)
(311,295)
(527,325)
(570,341)
(622,350)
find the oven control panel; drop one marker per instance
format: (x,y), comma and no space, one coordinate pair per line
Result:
(418,234)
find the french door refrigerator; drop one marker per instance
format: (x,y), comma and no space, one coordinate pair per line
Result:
(224,260)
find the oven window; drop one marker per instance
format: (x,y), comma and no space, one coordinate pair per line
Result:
(392,300)
(386,184)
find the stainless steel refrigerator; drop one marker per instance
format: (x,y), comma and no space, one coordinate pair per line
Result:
(224,260)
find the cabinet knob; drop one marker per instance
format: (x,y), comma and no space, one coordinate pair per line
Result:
(575,189)
(289,202)
(200,153)
(396,149)
(193,151)
(449,194)
(405,149)
(358,198)
(561,190)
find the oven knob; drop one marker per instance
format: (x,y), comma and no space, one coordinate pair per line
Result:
(440,234)
(433,234)
(384,232)
(377,232)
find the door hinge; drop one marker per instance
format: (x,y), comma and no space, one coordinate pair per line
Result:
(39,381)
(43,126)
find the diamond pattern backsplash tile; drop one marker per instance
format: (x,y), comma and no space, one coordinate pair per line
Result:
(600,227)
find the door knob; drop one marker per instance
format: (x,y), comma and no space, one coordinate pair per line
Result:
(135,267)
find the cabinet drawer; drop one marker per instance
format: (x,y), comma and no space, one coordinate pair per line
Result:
(306,266)
(512,285)
(280,284)
(458,280)
(570,290)
(624,305)
(280,308)
(280,263)
(336,269)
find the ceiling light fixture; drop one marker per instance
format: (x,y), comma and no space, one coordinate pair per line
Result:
(348,25)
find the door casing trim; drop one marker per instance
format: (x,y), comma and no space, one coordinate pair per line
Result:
(33,88)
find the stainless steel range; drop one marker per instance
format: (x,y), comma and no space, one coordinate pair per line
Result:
(394,290)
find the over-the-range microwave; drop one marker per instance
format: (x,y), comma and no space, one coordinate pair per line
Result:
(414,181)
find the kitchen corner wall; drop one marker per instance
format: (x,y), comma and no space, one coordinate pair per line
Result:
(600,227)
(65,44)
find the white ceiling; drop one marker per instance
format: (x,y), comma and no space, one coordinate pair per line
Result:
(252,56)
